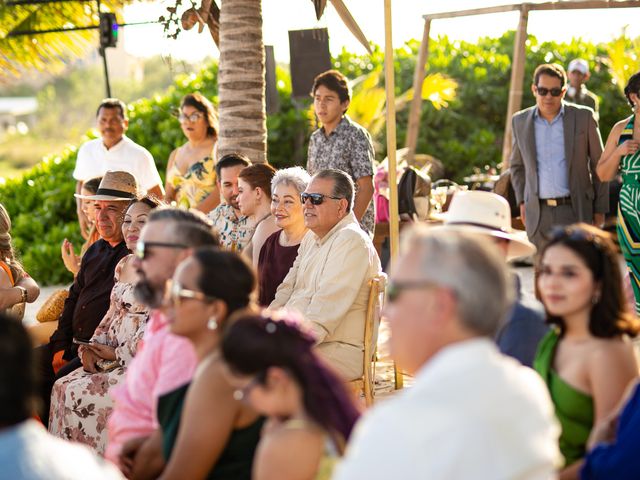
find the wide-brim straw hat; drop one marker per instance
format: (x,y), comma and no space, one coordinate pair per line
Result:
(115,186)
(486,213)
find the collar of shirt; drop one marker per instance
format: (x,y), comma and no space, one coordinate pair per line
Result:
(536,114)
(349,218)
(452,359)
(118,146)
(344,123)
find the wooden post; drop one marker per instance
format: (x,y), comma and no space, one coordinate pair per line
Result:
(416,101)
(389,83)
(517,79)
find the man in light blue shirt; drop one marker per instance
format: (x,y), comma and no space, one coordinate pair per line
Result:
(555,150)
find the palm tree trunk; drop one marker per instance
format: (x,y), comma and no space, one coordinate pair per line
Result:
(242,114)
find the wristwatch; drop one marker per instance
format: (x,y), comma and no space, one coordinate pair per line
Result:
(23,291)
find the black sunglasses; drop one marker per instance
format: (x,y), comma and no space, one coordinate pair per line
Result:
(555,92)
(142,247)
(316,198)
(394,289)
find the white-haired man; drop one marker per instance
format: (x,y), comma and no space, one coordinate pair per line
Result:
(472,412)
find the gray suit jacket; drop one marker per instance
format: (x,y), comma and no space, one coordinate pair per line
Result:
(583,147)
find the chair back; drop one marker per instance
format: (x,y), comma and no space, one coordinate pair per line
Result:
(377,287)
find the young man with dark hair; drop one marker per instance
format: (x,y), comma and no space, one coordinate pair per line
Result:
(341,143)
(114,151)
(232,226)
(556,147)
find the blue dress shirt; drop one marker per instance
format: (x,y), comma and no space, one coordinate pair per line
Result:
(553,172)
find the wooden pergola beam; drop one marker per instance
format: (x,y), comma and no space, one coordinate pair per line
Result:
(573,5)
(517,74)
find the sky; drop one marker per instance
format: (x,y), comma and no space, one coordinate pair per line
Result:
(282,15)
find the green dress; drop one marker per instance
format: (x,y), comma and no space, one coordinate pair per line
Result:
(574,409)
(628,212)
(235,461)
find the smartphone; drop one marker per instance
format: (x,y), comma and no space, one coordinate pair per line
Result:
(81,342)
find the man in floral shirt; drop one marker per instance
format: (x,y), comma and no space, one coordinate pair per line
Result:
(341,143)
(234,229)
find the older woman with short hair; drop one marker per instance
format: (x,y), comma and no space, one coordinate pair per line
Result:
(280,249)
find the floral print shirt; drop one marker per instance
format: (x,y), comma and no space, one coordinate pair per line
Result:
(235,232)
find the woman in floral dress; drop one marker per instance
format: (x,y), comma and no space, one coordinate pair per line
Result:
(80,402)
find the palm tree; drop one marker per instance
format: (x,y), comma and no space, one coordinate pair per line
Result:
(50,52)
(241,71)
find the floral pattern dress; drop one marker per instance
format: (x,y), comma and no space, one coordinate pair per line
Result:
(80,402)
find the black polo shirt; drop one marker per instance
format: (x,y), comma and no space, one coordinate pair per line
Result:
(89,297)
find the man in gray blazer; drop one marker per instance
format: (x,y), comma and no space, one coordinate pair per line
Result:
(555,149)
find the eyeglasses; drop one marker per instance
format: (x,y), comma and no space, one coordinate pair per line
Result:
(142,247)
(242,394)
(194,117)
(316,198)
(174,293)
(394,289)
(542,91)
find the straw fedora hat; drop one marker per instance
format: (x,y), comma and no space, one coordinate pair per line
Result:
(115,186)
(488,214)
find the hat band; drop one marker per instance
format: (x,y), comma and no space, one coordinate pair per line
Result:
(480,225)
(114,193)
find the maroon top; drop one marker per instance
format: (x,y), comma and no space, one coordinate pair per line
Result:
(274,263)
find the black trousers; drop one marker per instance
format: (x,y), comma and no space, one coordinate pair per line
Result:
(47,377)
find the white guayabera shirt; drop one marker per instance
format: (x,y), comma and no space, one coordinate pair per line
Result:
(471,414)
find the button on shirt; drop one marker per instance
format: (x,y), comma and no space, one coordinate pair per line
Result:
(89,296)
(471,414)
(94,160)
(553,172)
(329,285)
(348,148)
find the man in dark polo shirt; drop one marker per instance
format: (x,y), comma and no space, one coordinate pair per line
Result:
(89,295)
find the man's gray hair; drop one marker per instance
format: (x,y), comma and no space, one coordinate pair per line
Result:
(472,268)
(296,177)
(343,186)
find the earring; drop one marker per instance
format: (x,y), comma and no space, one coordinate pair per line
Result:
(212,323)
(595,299)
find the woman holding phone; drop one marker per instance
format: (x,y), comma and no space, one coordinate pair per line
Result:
(80,401)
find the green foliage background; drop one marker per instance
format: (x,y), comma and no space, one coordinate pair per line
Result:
(465,135)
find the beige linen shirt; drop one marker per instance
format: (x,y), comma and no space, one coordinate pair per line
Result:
(329,285)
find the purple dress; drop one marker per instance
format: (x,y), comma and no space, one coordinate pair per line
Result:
(274,263)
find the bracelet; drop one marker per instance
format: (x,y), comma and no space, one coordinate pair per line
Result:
(23,292)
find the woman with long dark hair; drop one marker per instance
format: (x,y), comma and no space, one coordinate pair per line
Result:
(587,359)
(311,413)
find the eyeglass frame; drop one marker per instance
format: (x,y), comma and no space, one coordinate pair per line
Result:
(182,117)
(544,91)
(173,292)
(141,247)
(242,394)
(395,288)
(316,198)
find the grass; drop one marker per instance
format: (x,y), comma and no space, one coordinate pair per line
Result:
(19,153)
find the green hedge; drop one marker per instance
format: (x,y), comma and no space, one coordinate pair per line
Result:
(466,135)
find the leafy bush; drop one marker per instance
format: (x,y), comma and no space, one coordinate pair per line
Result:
(465,135)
